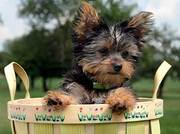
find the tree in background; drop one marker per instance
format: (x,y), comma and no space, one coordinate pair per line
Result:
(38,53)
(5,58)
(57,13)
(162,46)
(45,51)
(167,47)
(114,11)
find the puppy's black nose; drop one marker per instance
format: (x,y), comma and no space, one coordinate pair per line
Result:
(117,67)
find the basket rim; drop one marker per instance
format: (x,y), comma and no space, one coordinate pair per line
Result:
(19,102)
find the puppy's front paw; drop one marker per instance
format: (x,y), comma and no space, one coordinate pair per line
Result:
(58,100)
(121,99)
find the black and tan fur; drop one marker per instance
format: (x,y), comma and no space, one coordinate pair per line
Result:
(102,54)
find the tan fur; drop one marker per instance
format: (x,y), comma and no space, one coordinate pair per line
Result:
(121,98)
(141,22)
(88,19)
(101,71)
(127,69)
(61,99)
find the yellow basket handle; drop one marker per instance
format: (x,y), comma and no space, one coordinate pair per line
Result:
(10,75)
(160,73)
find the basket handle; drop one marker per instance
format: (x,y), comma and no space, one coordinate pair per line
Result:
(160,73)
(10,75)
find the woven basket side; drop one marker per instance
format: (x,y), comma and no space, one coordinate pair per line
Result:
(155,127)
(37,128)
(141,127)
(138,127)
(21,128)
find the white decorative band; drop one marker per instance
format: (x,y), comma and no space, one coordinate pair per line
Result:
(33,110)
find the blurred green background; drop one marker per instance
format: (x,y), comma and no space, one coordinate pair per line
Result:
(45,51)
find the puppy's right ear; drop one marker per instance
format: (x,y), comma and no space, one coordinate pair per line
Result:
(87,19)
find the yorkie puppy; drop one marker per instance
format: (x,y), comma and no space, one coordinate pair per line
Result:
(105,58)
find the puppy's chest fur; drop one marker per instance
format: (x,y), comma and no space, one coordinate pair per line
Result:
(85,89)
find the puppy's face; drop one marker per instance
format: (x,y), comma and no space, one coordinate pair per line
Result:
(108,53)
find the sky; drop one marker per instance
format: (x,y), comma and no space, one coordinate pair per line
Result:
(12,26)
(165,12)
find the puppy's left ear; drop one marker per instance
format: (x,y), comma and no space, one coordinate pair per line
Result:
(86,20)
(140,24)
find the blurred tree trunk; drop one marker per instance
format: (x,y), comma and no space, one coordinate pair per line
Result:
(61,43)
(32,82)
(18,85)
(45,87)
(161,88)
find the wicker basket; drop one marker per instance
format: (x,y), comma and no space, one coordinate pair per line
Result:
(30,116)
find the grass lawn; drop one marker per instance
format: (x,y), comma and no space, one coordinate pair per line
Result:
(169,123)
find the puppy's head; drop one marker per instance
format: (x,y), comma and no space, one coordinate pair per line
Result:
(108,54)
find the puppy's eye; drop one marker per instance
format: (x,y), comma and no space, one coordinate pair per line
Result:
(104,51)
(125,54)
